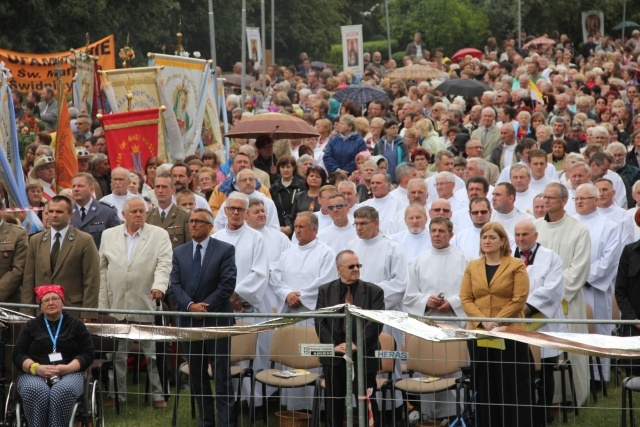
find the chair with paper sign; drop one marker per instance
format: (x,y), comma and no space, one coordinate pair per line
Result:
(438,364)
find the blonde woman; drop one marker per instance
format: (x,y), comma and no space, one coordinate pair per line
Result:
(429,138)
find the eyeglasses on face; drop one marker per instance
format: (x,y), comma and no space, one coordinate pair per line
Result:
(234,209)
(198,221)
(482,212)
(338,206)
(352,266)
(361,224)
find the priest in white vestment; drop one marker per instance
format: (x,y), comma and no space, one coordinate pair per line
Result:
(382,202)
(476,169)
(546,291)
(350,192)
(605,254)
(635,194)
(324,219)
(296,279)
(443,161)
(445,185)
(434,290)
(468,240)
(341,231)
(416,193)
(570,239)
(276,243)
(600,167)
(504,209)
(608,209)
(415,239)
(383,264)
(405,172)
(521,178)
(253,274)
(246,184)
(548,175)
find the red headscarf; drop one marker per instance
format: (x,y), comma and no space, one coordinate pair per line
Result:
(45,289)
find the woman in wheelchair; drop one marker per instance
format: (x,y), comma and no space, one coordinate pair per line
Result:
(53,350)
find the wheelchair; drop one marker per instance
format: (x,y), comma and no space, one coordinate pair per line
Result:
(87,411)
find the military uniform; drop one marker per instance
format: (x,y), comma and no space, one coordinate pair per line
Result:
(175,224)
(98,218)
(13,256)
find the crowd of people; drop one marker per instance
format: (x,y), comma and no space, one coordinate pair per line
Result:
(508,205)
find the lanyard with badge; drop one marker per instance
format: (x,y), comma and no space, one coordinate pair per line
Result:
(54,356)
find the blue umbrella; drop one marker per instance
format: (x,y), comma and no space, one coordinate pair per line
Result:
(361,94)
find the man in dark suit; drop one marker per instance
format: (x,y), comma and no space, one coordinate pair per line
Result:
(560,127)
(348,288)
(63,254)
(89,215)
(416,47)
(203,279)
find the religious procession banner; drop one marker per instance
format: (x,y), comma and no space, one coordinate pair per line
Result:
(66,159)
(10,167)
(83,87)
(145,85)
(184,81)
(352,49)
(35,71)
(132,137)
(211,135)
(592,23)
(254,44)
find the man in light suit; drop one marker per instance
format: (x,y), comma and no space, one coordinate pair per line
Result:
(135,263)
(65,255)
(203,279)
(364,295)
(488,133)
(89,215)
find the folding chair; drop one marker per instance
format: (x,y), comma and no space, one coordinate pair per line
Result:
(629,385)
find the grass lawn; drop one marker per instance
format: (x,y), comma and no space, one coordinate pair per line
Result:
(603,413)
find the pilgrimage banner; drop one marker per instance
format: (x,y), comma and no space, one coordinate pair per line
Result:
(145,84)
(592,22)
(184,81)
(211,135)
(83,87)
(352,49)
(35,71)
(66,159)
(254,44)
(132,137)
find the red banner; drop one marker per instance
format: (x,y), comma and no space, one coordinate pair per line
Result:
(132,138)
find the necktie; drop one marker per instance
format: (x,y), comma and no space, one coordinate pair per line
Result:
(83,214)
(55,250)
(195,270)
(348,299)
(527,257)
(485,131)
(163,215)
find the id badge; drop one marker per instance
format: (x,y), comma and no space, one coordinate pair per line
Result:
(55,357)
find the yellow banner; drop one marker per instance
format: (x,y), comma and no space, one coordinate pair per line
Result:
(35,71)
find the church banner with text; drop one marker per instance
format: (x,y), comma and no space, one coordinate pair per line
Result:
(132,137)
(35,71)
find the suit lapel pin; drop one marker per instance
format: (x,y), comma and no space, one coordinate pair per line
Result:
(93,208)
(71,237)
(45,237)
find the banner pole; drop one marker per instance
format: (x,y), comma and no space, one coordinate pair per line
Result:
(244,52)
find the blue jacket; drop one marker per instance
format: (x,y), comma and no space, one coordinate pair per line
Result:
(341,154)
(395,152)
(228,186)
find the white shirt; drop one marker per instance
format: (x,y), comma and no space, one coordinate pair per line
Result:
(626,223)
(505,174)
(62,232)
(221,219)
(431,187)
(524,201)
(117,202)
(412,245)
(337,238)
(400,194)
(510,220)
(468,241)
(131,240)
(386,206)
(203,250)
(632,214)
(618,185)
(508,154)
(538,185)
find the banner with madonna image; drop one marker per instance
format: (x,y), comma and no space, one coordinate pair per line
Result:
(132,138)
(352,49)
(145,86)
(184,83)
(84,84)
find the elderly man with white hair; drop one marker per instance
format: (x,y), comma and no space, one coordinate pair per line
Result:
(608,208)
(443,162)
(629,174)
(546,292)
(350,192)
(120,180)
(445,184)
(246,184)
(488,133)
(600,164)
(417,193)
(405,172)
(476,166)
(415,239)
(635,193)
(579,173)
(605,254)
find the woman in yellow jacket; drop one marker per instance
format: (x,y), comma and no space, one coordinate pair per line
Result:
(497,285)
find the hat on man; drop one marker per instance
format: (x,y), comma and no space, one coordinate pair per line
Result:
(39,162)
(83,154)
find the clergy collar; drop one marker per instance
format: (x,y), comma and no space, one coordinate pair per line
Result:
(589,216)
(609,208)
(442,251)
(374,239)
(420,234)
(308,246)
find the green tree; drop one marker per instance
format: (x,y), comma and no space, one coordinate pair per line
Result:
(451,24)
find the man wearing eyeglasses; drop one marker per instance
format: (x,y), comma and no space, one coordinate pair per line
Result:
(340,232)
(468,239)
(246,182)
(605,254)
(354,290)
(253,272)
(83,124)
(203,279)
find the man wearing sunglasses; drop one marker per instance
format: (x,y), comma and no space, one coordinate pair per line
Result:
(340,232)
(468,240)
(348,288)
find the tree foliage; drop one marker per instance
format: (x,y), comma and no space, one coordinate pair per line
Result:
(451,24)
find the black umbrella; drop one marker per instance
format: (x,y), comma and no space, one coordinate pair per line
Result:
(361,94)
(463,87)
(317,65)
